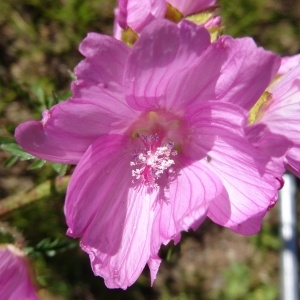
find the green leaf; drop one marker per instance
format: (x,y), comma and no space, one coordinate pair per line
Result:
(72,75)
(37,164)
(11,161)
(17,151)
(5,140)
(50,247)
(61,169)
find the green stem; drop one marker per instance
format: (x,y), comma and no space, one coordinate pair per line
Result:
(41,191)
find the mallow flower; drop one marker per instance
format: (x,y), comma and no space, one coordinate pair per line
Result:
(157,133)
(15,276)
(132,16)
(278,111)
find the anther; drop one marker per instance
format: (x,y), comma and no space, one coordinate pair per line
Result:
(151,161)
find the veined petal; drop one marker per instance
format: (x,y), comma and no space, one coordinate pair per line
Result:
(102,70)
(69,128)
(198,81)
(160,54)
(287,89)
(107,158)
(247,73)
(124,248)
(15,280)
(188,7)
(281,115)
(249,177)
(288,63)
(194,189)
(184,204)
(292,161)
(113,219)
(137,14)
(230,70)
(275,144)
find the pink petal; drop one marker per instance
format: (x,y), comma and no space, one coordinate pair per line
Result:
(15,281)
(102,70)
(214,21)
(288,63)
(103,160)
(248,72)
(124,248)
(249,178)
(137,14)
(198,81)
(231,70)
(282,114)
(275,144)
(98,105)
(114,219)
(122,13)
(287,89)
(159,55)
(68,129)
(292,161)
(186,203)
(153,264)
(189,7)
(116,27)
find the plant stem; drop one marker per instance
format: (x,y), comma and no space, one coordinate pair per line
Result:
(39,192)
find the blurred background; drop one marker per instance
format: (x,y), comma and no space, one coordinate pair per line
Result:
(38,50)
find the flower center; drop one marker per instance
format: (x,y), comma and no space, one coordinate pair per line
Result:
(151,160)
(158,136)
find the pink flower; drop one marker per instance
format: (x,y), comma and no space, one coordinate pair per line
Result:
(279,113)
(158,144)
(137,14)
(15,281)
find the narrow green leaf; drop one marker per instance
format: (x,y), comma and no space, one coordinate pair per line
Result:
(11,161)
(5,140)
(17,151)
(37,164)
(61,169)
(169,254)
(72,75)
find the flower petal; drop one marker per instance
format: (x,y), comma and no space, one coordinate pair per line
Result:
(276,145)
(102,70)
(15,281)
(137,14)
(288,63)
(102,161)
(282,114)
(114,219)
(231,70)
(198,81)
(69,128)
(161,53)
(184,204)
(189,7)
(248,72)
(249,177)
(123,249)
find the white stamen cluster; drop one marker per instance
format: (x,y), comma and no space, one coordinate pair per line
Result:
(151,161)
